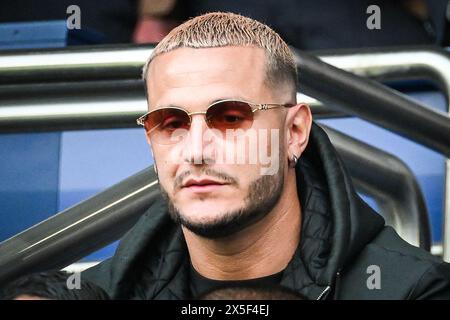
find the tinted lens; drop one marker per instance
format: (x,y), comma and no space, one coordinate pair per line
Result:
(230,115)
(166,126)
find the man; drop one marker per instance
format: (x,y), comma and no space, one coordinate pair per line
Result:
(222,89)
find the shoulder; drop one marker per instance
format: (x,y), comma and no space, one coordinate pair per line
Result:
(390,268)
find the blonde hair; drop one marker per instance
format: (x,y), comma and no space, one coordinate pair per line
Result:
(220,29)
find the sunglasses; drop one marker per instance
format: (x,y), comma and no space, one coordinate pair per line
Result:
(168,125)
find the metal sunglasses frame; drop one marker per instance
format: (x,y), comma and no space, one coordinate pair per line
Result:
(254,106)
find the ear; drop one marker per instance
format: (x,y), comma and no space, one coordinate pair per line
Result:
(298,127)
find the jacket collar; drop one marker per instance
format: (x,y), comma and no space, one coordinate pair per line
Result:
(336,223)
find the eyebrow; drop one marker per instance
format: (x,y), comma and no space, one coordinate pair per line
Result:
(166,106)
(210,103)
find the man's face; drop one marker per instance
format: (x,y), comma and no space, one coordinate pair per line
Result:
(211,196)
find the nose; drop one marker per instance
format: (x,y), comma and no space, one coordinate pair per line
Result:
(194,144)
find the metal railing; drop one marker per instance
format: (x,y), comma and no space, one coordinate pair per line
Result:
(79,230)
(405,63)
(372,101)
(390,182)
(49,90)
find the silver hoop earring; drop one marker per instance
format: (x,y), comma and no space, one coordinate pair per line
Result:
(293,161)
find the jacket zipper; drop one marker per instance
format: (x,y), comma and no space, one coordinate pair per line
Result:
(328,288)
(337,283)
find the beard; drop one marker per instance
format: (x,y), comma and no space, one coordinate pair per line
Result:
(263,194)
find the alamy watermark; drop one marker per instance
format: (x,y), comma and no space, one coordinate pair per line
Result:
(374,20)
(73,282)
(74,19)
(374,280)
(235,146)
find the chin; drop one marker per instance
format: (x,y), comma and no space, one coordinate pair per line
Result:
(204,212)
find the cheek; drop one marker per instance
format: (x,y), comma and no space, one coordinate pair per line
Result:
(257,151)
(166,166)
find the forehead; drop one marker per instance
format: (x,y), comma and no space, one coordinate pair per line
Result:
(207,73)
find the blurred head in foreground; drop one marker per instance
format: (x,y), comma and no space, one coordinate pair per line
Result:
(252,293)
(52,285)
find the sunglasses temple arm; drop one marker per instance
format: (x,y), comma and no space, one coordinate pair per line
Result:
(274,106)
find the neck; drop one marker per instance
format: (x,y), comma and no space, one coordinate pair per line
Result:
(260,250)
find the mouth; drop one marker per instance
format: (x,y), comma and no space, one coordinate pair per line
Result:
(202,185)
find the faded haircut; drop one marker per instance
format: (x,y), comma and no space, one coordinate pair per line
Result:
(220,29)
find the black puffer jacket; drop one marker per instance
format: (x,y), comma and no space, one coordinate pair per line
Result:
(341,238)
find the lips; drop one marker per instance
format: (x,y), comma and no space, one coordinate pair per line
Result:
(202,183)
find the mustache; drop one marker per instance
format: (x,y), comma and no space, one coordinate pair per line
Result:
(224,177)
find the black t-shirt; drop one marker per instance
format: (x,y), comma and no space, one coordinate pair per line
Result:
(200,285)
